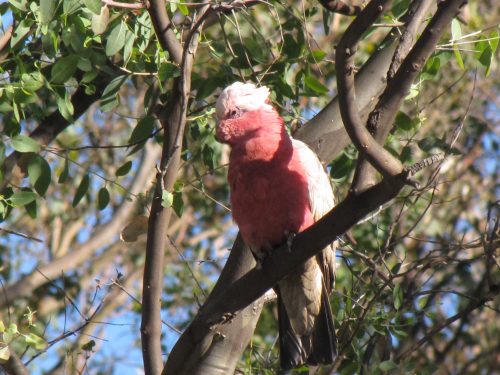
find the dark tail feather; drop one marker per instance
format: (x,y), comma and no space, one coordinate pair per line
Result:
(320,347)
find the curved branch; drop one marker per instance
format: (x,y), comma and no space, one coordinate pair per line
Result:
(380,120)
(163,29)
(365,174)
(379,157)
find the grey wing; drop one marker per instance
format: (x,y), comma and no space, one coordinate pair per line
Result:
(322,200)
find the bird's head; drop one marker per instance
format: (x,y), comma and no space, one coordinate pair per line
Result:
(240,108)
(238,98)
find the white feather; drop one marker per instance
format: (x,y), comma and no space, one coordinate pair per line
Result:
(242,97)
(321,197)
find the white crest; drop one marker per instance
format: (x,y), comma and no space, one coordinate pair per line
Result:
(242,97)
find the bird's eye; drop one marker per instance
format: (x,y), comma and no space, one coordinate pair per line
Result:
(233,113)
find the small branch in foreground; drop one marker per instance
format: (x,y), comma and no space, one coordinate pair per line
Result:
(117,4)
(338,6)
(15,233)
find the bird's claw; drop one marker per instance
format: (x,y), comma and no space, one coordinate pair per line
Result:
(289,240)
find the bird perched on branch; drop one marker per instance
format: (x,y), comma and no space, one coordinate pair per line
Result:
(279,188)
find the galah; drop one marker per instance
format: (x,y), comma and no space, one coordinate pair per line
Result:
(279,188)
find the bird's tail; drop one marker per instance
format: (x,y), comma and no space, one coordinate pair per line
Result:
(317,347)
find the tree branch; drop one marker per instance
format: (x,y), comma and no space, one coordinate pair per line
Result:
(14,366)
(163,28)
(365,174)
(379,157)
(338,6)
(173,120)
(325,132)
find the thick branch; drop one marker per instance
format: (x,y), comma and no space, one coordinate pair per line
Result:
(173,119)
(365,174)
(325,132)
(380,158)
(14,366)
(305,245)
(163,28)
(398,87)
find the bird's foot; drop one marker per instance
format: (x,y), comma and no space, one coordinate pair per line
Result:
(289,239)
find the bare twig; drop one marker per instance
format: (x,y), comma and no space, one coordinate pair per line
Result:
(16,233)
(118,4)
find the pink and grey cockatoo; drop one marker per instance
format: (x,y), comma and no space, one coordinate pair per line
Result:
(279,187)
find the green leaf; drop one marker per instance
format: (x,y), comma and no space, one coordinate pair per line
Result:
(317,56)
(387,366)
(65,173)
(341,167)
(102,198)
(22,198)
(142,130)
(456,31)
(116,39)
(20,4)
(109,99)
(22,143)
(100,21)
(167,198)
(35,341)
(65,105)
(458,57)
(20,32)
(47,10)
(494,40)
(4,353)
(428,143)
(71,6)
(64,69)
(32,81)
(178,203)
(32,209)
(422,302)
(315,85)
(486,59)
(81,190)
(183,8)
(403,121)
(124,169)
(397,295)
(167,71)
(208,157)
(39,174)
(2,327)
(94,5)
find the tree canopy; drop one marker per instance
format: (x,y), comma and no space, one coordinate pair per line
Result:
(118,252)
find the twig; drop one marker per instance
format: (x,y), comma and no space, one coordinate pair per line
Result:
(117,4)
(338,6)
(27,236)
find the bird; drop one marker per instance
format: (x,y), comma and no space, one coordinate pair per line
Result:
(278,188)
